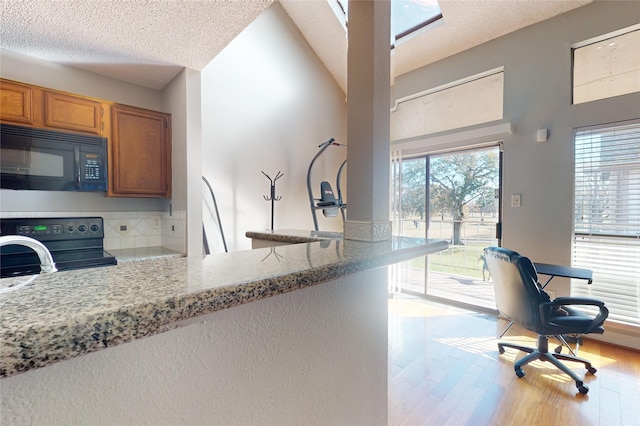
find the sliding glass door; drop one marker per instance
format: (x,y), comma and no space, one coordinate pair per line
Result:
(410,219)
(453,196)
(464,201)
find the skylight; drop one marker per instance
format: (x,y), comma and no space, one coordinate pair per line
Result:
(407,16)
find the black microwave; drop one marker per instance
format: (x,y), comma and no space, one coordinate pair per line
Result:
(51,161)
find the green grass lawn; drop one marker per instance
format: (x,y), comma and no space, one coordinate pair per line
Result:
(457,260)
(461,259)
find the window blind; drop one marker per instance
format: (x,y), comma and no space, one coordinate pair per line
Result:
(607,217)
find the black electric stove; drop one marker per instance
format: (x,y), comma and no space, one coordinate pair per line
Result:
(74,243)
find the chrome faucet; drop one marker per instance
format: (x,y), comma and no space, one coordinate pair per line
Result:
(46,260)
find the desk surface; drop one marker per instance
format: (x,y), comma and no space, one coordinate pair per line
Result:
(564,271)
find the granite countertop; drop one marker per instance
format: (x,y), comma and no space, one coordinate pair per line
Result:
(293,236)
(66,314)
(143,253)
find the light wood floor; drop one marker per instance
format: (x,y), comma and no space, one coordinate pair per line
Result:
(445,369)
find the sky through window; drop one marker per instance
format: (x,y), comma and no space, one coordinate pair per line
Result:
(407,16)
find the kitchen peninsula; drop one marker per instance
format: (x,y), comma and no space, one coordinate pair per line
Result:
(176,355)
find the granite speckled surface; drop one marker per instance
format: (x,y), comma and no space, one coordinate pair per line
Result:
(293,236)
(143,254)
(66,314)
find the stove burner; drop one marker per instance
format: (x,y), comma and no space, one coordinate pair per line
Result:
(74,243)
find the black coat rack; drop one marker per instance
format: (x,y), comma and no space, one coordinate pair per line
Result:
(273,197)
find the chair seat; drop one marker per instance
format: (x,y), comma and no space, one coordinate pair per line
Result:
(573,326)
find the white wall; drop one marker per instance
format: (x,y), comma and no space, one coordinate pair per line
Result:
(537,90)
(267,102)
(285,360)
(182,99)
(43,73)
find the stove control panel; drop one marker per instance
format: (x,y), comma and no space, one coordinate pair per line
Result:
(49,229)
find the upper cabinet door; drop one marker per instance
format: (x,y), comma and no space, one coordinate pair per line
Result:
(73,113)
(16,102)
(140,153)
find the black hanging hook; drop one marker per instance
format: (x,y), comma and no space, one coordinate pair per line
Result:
(273,187)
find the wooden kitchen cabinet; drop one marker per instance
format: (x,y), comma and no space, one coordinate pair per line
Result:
(33,106)
(68,112)
(139,153)
(16,103)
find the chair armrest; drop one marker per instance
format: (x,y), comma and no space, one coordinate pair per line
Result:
(559,301)
(547,307)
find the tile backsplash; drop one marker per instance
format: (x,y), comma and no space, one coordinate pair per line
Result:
(124,230)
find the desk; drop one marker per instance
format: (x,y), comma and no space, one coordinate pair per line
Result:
(563,271)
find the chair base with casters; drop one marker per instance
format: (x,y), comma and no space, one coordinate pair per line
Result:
(542,353)
(565,340)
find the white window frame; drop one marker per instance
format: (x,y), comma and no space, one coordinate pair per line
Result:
(606,66)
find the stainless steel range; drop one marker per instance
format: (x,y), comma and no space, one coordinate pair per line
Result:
(74,243)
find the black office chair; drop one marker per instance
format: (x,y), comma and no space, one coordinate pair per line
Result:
(520,298)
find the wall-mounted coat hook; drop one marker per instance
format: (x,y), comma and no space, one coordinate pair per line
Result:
(273,197)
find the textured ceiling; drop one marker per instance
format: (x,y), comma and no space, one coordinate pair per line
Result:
(471,23)
(148,42)
(466,23)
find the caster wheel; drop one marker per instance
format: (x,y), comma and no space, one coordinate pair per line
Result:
(591,370)
(582,388)
(520,373)
(501,350)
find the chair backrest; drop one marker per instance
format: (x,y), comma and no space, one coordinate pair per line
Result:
(515,283)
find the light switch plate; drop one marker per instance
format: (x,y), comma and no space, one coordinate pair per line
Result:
(156,222)
(516,200)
